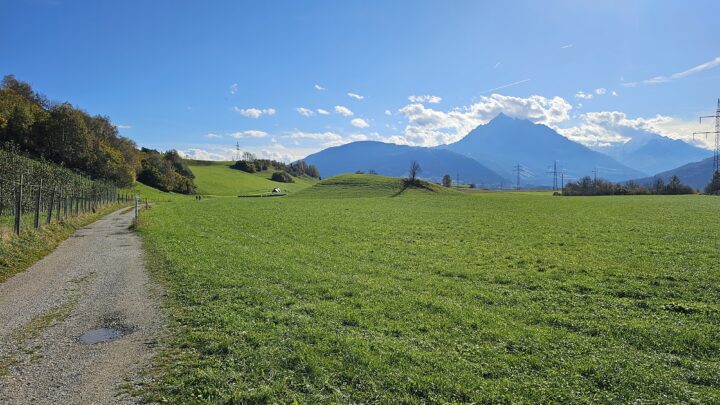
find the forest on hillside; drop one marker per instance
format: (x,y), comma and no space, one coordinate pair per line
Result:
(87,144)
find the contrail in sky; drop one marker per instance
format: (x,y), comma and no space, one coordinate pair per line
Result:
(506,86)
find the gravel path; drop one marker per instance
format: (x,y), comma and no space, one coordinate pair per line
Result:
(95,279)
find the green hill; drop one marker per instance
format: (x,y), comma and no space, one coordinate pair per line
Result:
(217,178)
(152,194)
(364,185)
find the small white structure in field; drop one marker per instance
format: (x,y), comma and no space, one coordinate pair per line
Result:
(276,190)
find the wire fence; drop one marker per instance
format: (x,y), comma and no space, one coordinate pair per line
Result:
(37,192)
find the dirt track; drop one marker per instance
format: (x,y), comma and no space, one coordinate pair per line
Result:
(95,279)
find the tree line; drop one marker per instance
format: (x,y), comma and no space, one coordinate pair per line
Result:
(87,144)
(587,186)
(251,164)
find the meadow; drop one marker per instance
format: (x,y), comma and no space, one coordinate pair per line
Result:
(357,290)
(218,179)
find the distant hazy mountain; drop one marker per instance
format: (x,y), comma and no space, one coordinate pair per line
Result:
(504,142)
(652,153)
(394,160)
(696,174)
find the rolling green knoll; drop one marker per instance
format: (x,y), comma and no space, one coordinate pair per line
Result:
(217,178)
(437,297)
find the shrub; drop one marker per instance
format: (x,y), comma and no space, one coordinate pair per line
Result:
(282,177)
(714,186)
(244,165)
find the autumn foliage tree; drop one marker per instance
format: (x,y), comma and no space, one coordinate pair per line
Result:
(91,145)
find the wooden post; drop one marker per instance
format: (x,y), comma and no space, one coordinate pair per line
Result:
(137,206)
(50,206)
(18,206)
(38,202)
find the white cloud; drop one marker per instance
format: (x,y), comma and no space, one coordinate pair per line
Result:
(233,88)
(600,91)
(315,135)
(322,112)
(344,111)
(568,46)
(425,99)
(429,127)
(305,112)
(213,136)
(388,112)
(319,87)
(614,93)
(254,112)
(359,123)
(612,127)
(680,75)
(356,96)
(248,134)
(583,96)
(345,140)
(497,65)
(120,126)
(208,153)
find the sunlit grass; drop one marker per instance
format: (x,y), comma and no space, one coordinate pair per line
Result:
(438,296)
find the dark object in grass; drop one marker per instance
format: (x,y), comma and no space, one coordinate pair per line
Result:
(673,307)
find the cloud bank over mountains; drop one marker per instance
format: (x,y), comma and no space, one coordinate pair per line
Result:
(422,122)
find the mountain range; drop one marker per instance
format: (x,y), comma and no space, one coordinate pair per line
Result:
(490,154)
(651,153)
(695,174)
(394,160)
(505,142)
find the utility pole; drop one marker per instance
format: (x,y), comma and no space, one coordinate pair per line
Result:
(716,132)
(595,172)
(517,170)
(237,150)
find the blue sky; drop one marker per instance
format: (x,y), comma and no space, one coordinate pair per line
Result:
(201,76)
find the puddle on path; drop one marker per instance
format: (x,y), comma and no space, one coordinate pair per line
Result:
(100,335)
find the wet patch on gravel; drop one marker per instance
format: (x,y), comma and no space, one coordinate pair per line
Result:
(100,335)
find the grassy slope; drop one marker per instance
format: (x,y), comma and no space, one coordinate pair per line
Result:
(216,178)
(361,185)
(440,297)
(151,193)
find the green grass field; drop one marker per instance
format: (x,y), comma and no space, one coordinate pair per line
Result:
(217,178)
(420,296)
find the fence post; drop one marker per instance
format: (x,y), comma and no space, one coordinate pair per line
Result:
(38,201)
(18,206)
(137,206)
(51,206)
(58,213)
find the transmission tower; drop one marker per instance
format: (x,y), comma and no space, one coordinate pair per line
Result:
(237,150)
(716,132)
(554,172)
(520,172)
